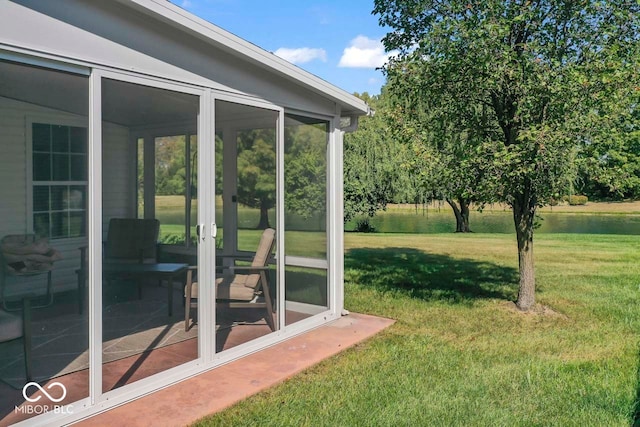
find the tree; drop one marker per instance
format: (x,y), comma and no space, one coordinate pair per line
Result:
(609,164)
(170,166)
(370,163)
(257,171)
(305,162)
(553,74)
(442,162)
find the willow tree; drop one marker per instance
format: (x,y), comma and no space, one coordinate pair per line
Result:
(442,161)
(371,172)
(548,72)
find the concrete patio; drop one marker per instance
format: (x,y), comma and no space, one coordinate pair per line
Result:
(186,402)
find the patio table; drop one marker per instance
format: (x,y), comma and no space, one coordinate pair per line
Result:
(161,271)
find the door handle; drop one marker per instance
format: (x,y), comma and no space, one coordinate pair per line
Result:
(200,231)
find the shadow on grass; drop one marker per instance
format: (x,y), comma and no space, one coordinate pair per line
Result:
(421,275)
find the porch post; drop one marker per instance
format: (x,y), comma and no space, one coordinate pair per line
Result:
(336,224)
(95,236)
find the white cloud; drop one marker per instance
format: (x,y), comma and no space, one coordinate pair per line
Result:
(373,81)
(364,52)
(301,55)
(186,4)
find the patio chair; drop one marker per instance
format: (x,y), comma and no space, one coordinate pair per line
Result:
(129,241)
(14,327)
(132,240)
(247,290)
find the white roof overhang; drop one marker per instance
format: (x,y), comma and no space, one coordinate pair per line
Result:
(173,15)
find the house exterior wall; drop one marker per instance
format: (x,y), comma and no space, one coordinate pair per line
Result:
(14,116)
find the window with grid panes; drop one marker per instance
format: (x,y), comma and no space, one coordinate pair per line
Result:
(59,163)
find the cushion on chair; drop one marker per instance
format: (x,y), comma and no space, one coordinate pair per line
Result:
(10,326)
(228,288)
(25,254)
(262,256)
(233,288)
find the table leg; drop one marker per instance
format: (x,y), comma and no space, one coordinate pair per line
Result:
(81,284)
(170,290)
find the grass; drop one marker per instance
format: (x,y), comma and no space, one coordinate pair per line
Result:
(300,239)
(459,354)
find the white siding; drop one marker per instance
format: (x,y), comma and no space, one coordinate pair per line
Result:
(14,182)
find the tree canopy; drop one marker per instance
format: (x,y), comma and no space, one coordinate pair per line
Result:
(538,81)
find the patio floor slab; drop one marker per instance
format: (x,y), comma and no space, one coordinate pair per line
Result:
(212,391)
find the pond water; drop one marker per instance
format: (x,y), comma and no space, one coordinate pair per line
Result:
(502,222)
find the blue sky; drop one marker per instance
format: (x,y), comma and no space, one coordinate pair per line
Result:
(337,40)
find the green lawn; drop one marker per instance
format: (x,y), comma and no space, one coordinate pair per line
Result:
(458,353)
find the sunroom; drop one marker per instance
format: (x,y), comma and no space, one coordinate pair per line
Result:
(171,201)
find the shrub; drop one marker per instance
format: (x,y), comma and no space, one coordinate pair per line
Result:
(364,226)
(578,200)
(177,239)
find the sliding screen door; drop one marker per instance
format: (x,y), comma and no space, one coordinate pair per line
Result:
(143,313)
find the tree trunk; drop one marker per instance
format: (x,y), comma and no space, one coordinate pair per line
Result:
(523,216)
(264,218)
(462,215)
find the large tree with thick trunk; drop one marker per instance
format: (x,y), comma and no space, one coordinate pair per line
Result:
(551,75)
